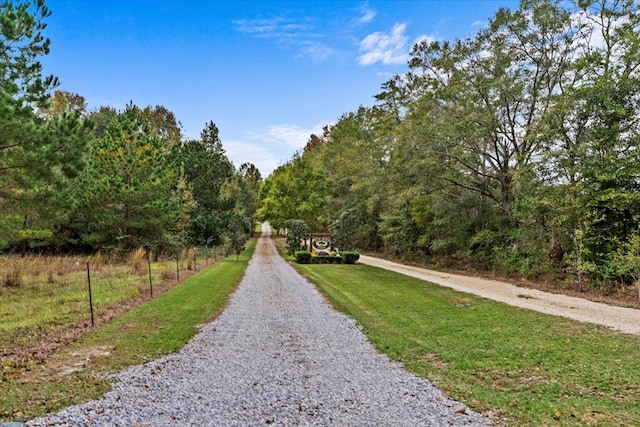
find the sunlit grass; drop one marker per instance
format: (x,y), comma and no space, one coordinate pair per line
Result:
(160,327)
(524,367)
(47,293)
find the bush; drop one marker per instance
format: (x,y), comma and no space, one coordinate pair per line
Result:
(350,257)
(326,260)
(303,257)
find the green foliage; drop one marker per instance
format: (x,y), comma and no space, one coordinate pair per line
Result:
(237,231)
(124,190)
(626,260)
(493,149)
(249,181)
(297,189)
(39,154)
(343,230)
(297,232)
(355,160)
(303,257)
(21,44)
(294,190)
(398,231)
(207,169)
(72,180)
(178,235)
(350,257)
(326,259)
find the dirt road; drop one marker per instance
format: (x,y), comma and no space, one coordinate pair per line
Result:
(621,319)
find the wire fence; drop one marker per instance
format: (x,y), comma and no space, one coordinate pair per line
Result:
(41,293)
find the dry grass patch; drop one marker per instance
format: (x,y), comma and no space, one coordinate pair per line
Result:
(78,371)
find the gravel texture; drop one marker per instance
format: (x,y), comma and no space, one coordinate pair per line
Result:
(620,319)
(278,355)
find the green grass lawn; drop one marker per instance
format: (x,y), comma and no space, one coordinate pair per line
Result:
(53,293)
(160,327)
(524,367)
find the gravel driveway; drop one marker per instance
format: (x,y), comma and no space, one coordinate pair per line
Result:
(618,318)
(278,355)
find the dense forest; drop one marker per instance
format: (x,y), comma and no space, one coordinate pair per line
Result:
(514,150)
(73,180)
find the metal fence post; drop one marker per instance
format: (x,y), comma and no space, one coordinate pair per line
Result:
(93,323)
(149,265)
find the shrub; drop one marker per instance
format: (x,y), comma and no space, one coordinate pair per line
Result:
(303,257)
(350,257)
(326,260)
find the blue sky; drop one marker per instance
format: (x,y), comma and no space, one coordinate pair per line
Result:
(268,73)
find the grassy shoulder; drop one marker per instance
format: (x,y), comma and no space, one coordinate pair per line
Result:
(49,299)
(524,367)
(80,372)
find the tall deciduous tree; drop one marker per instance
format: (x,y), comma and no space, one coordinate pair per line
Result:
(508,147)
(356,160)
(64,102)
(296,190)
(609,193)
(164,124)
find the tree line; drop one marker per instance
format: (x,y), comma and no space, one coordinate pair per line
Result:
(104,180)
(514,149)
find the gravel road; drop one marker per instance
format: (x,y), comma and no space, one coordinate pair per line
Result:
(278,355)
(618,318)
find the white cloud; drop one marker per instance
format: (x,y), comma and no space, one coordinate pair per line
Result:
(366,16)
(287,33)
(271,147)
(592,30)
(292,136)
(318,52)
(242,152)
(387,48)
(270,27)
